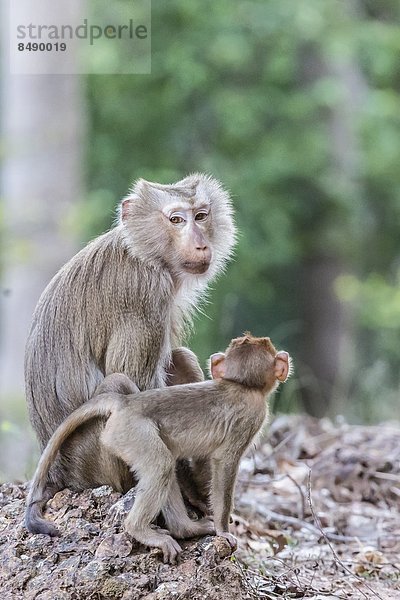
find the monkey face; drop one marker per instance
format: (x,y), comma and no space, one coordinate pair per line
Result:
(188,227)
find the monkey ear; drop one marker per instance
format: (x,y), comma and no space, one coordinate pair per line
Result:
(282,365)
(217,365)
(125,208)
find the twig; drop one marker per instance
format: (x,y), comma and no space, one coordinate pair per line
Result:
(332,549)
(388,476)
(281,444)
(303,502)
(255,482)
(294,571)
(253,590)
(287,568)
(270,514)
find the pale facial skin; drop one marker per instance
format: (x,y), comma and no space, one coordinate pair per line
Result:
(189,229)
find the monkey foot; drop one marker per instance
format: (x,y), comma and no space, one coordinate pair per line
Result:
(194,528)
(205,525)
(157,538)
(170,549)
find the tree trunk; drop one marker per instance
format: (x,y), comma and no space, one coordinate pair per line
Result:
(42,126)
(324,336)
(327,345)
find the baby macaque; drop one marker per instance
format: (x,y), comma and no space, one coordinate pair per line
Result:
(212,420)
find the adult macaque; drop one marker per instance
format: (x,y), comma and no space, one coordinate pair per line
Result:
(149,431)
(121,305)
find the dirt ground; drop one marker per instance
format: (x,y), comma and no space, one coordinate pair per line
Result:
(316,516)
(318,511)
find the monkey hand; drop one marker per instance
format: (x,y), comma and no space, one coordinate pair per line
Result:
(282,365)
(232,541)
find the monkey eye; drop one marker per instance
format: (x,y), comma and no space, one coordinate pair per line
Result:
(176,219)
(201,216)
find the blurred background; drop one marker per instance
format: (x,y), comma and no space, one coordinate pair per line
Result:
(295,107)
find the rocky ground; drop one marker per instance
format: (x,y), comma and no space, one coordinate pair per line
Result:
(318,511)
(317,516)
(95,559)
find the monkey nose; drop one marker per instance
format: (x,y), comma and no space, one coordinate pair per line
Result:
(201,247)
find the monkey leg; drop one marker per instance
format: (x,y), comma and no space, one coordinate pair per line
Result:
(145,510)
(177,519)
(136,441)
(148,503)
(184,367)
(224,473)
(202,479)
(116,382)
(194,481)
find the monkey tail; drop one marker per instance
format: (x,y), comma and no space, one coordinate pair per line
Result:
(37,497)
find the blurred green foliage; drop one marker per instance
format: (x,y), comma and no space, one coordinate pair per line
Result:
(294,105)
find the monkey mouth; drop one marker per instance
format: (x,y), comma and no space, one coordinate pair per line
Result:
(196,268)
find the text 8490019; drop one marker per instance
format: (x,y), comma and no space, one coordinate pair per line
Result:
(42,47)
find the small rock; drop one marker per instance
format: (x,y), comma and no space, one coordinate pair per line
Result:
(121,507)
(60,499)
(104,490)
(188,568)
(70,564)
(84,529)
(114,587)
(214,551)
(51,595)
(217,549)
(167,591)
(38,542)
(96,569)
(75,513)
(46,565)
(69,546)
(117,545)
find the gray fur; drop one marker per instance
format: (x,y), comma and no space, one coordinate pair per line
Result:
(120,305)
